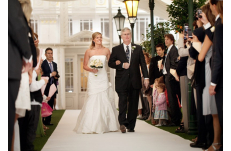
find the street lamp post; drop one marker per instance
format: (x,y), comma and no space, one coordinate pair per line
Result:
(119,21)
(132,7)
(151,6)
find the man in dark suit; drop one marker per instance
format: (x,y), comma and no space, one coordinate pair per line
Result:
(216,87)
(127,59)
(19,54)
(49,69)
(173,86)
(154,71)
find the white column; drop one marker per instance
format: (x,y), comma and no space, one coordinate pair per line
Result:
(63,21)
(112,71)
(61,89)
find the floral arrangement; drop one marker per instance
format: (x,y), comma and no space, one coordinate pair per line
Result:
(96,64)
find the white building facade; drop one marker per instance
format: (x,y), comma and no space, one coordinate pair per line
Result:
(67,28)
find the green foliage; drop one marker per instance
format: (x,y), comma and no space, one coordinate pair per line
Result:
(178,13)
(159,30)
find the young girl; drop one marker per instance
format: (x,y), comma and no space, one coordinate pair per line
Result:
(161,105)
(155,95)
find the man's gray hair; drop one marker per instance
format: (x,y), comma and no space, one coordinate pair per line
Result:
(124,29)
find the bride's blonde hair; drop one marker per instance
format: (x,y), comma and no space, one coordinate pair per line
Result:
(93,37)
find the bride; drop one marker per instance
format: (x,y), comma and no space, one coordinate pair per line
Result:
(98,114)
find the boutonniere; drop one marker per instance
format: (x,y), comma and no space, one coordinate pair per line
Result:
(212,29)
(133,47)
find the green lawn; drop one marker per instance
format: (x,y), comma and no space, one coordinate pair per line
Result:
(172,130)
(39,142)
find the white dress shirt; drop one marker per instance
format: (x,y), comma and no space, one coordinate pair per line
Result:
(130,49)
(35,86)
(164,69)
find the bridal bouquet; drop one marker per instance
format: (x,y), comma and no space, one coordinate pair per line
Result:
(96,64)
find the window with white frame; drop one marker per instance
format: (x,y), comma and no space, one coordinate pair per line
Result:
(69,75)
(34,25)
(70,27)
(86,25)
(159,20)
(105,27)
(141,26)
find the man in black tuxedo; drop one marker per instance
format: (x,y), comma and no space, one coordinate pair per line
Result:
(154,71)
(49,69)
(173,86)
(19,54)
(216,87)
(127,59)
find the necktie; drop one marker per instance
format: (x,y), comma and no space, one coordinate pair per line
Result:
(51,71)
(127,53)
(51,67)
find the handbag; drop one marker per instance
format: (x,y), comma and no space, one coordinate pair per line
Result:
(46,110)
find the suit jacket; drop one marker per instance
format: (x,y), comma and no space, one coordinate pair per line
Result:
(154,71)
(18,45)
(182,66)
(217,56)
(133,72)
(209,33)
(198,77)
(171,61)
(46,73)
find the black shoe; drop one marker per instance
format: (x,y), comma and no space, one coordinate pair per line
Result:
(130,130)
(122,128)
(48,124)
(197,144)
(205,147)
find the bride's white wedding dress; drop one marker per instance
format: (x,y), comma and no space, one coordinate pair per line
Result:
(99,114)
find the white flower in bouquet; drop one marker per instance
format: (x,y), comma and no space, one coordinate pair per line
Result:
(92,63)
(96,64)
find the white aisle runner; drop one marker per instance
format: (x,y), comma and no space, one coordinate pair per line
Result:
(146,138)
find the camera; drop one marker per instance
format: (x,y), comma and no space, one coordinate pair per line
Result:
(185,30)
(199,12)
(190,33)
